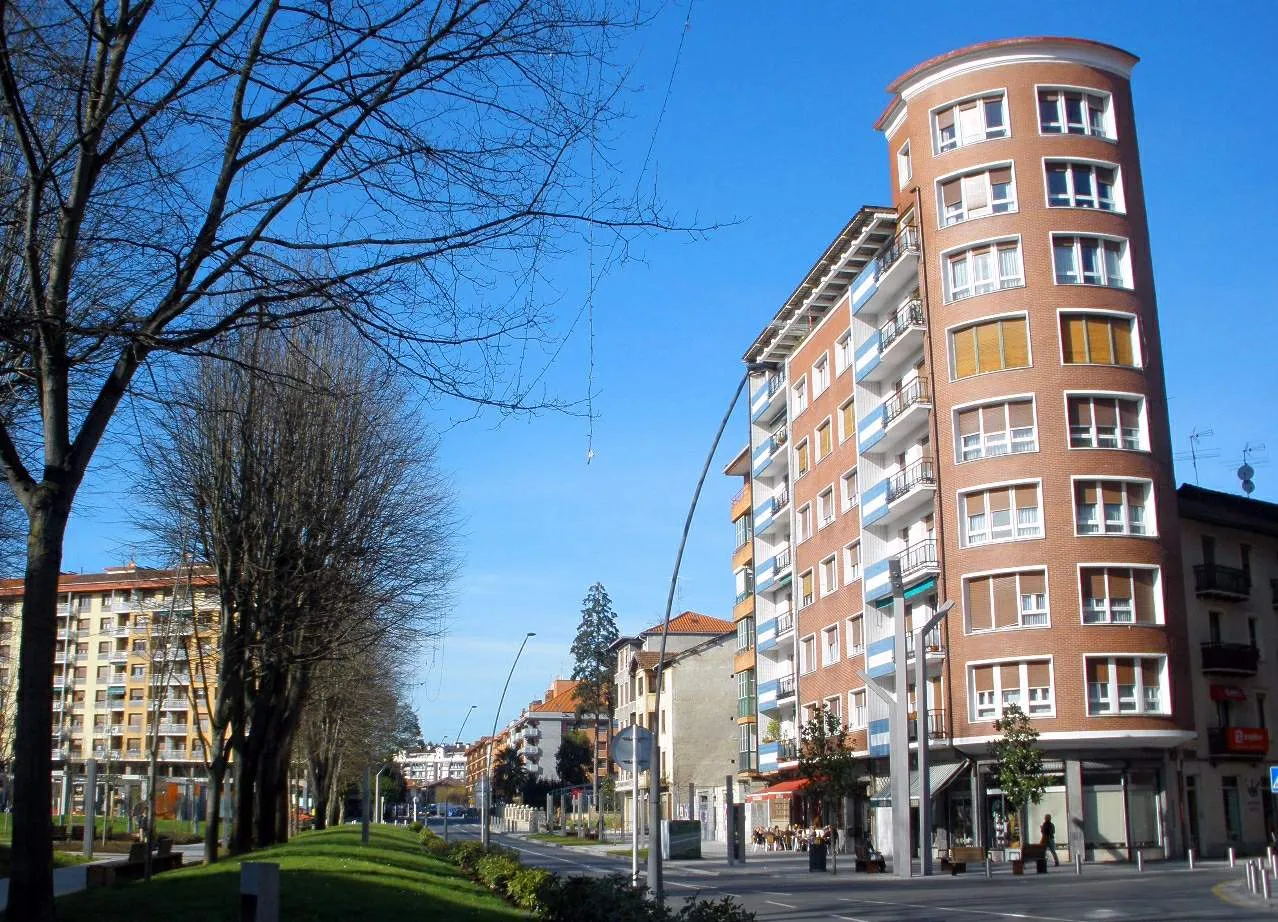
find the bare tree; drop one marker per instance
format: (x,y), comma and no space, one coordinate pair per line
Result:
(181,170)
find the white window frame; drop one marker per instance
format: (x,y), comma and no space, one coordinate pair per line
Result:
(965,213)
(799,394)
(805,601)
(984,444)
(827,648)
(834,705)
(851,562)
(1102,524)
(858,713)
(800,471)
(817,455)
(849,634)
(844,432)
(941,146)
(1021,623)
(1109,609)
(843,353)
(1121,437)
(1105,270)
(1013,510)
(996,281)
(848,501)
(1113,697)
(983,709)
(805,666)
(803,523)
(827,510)
(828,575)
(821,375)
(904,166)
(1089,130)
(1138,355)
(1117,202)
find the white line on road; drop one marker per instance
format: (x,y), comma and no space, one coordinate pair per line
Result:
(782,905)
(774,893)
(976,912)
(846,918)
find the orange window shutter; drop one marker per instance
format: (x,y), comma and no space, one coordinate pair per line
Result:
(1143,596)
(1015,343)
(1074,339)
(978,604)
(965,353)
(989,352)
(1123,354)
(1100,348)
(1006,604)
(983,678)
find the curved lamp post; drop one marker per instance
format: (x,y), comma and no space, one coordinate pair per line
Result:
(456,742)
(487,797)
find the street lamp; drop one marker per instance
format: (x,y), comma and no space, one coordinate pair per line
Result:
(487,796)
(920,704)
(457,741)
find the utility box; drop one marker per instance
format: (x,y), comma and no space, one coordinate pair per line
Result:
(681,839)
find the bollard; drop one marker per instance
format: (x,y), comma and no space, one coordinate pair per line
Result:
(989,869)
(1251,878)
(1078,864)
(1264,886)
(1273,865)
(1140,860)
(1232,857)
(259,891)
(1192,856)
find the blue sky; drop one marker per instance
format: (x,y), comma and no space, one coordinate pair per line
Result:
(769,132)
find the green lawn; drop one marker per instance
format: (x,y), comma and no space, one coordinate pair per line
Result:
(179,829)
(561,840)
(324,875)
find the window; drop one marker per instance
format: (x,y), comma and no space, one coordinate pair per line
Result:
(1105,422)
(830,646)
(821,375)
(1090,261)
(983,268)
(104,647)
(1119,595)
(994,430)
(843,353)
(856,635)
(805,522)
(749,747)
(1126,685)
(850,495)
(969,121)
(834,706)
(852,562)
(825,508)
(807,654)
(856,710)
(1113,507)
(745,634)
(992,345)
(1027,684)
(805,589)
(1009,513)
(743,530)
(1083,185)
(824,440)
(847,421)
(802,458)
(137,672)
(745,693)
(976,195)
(800,396)
(1062,111)
(1006,600)
(829,575)
(904,168)
(1099,339)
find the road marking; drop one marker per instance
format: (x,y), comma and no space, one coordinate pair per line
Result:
(675,883)
(774,893)
(694,871)
(845,918)
(782,905)
(975,912)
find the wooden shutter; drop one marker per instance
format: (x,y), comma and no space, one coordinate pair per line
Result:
(1098,671)
(824,433)
(994,418)
(857,627)
(1074,339)
(1010,677)
(983,678)
(974,504)
(1039,674)
(989,353)
(1093,583)
(1126,671)
(1129,414)
(978,604)
(1100,347)
(1006,603)
(1020,414)
(1085,492)
(848,418)
(969,422)
(945,119)
(1123,354)
(1111,492)
(805,584)
(965,353)
(1080,411)
(1106,413)
(1150,674)
(1015,343)
(1143,596)
(1002,174)
(1120,584)
(1027,497)
(952,192)
(1000,498)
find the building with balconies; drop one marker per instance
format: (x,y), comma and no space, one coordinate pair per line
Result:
(975,412)
(1230,546)
(745,661)
(694,726)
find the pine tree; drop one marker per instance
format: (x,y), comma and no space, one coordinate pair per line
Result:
(592,669)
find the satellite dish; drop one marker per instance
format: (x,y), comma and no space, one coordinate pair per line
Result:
(1246,472)
(1248,487)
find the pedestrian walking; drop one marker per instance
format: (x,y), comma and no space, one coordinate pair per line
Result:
(1048,838)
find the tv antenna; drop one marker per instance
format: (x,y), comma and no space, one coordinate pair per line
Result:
(1253,452)
(1197,451)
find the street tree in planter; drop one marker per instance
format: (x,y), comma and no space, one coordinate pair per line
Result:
(1018,765)
(827,764)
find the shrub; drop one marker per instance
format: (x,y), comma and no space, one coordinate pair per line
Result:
(495,870)
(466,855)
(416,826)
(434,845)
(724,910)
(591,899)
(527,888)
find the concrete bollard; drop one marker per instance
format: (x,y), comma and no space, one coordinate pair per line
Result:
(1140,861)
(989,868)
(1232,856)
(1251,877)
(1078,864)
(1265,888)
(1192,858)
(1273,865)
(259,891)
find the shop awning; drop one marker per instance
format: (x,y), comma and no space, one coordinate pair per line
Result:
(940,777)
(1227,693)
(780,789)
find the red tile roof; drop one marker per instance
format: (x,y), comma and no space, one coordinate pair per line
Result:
(128,577)
(691,622)
(561,698)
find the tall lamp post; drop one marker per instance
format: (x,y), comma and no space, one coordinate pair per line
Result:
(456,741)
(924,735)
(486,798)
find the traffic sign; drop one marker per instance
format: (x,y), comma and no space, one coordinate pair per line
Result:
(1273,779)
(631,748)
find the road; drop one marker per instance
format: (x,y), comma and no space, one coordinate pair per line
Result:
(779,888)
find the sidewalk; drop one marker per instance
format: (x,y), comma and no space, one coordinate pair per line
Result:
(76,878)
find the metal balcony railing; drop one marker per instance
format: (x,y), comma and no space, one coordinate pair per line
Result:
(1219,581)
(914,393)
(780,501)
(781,561)
(785,622)
(775,383)
(739,495)
(936,729)
(787,750)
(906,241)
(777,440)
(921,472)
(786,686)
(910,315)
(917,556)
(743,595)
(1233,658)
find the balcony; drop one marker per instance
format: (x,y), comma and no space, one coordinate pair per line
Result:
(1230,658)
(914,394)
(781,500)
(1238,742)
(1217,581)
(918,560)
(767,403)
(785,623)
(921,473)
(895,345)
(781,562)
(787,750)
(742,596)
(909,317)
(935,726)
(786,687)
(172,729)
(746,707)
(905,242)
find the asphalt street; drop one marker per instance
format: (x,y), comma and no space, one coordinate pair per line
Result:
(779,888)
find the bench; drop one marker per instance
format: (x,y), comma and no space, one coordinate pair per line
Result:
(960,855)
(869,863)
(1036,854)
(133,867)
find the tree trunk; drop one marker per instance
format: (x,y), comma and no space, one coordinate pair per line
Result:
(242,825)
(31,871)
(213,810)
